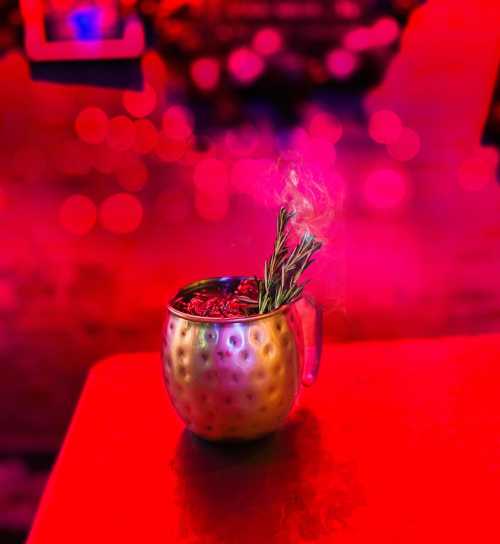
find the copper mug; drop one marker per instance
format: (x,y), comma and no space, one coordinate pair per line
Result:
(238,378)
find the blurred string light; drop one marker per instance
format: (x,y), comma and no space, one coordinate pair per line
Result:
(78,214)
(121,213)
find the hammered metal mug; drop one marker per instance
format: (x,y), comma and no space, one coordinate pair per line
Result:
(238,378)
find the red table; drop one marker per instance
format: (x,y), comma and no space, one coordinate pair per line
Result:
(397,443)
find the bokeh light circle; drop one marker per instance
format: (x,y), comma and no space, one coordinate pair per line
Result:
(245,65)
(325,125)
(406,147)
(121,134)
(121,213)
(177,123)
(212,206)
(78,214)
(386,189)
(384,31)
(140,103)
(211,175)
(341,63)
(385,127)
(169,150)
(347,9)
(146,136)
(91,125)
(267,41)
(358,39)
(205,72)
(132,174)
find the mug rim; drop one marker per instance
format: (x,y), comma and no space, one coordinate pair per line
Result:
(203,319)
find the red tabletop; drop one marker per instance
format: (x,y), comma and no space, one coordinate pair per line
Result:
(397,443)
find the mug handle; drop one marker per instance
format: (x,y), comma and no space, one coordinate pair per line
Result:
(312,331)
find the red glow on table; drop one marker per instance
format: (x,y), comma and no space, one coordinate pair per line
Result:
(140,103)
(385,127)
(267,41)
(78,214)
(121,134)
(91,125)
(121,213)
(397,442)
(205,73)
(245,65)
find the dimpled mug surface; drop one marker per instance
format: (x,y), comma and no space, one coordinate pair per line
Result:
(233,378)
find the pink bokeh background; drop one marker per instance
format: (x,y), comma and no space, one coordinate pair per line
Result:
(111,199)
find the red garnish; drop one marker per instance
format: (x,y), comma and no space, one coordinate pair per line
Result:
(210,303)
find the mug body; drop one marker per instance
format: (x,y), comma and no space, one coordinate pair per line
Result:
(236,378)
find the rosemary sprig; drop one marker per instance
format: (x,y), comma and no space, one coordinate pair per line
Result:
(284,268)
